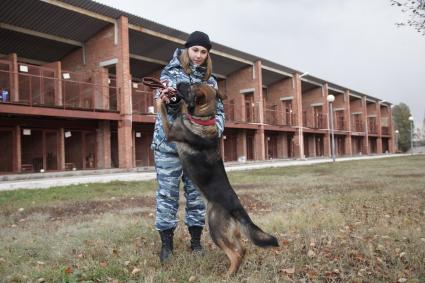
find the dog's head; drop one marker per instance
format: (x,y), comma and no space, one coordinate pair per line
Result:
(199,98)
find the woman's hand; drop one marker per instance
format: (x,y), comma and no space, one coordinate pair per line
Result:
(167,94)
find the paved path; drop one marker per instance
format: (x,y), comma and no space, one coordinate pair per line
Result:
(46,180)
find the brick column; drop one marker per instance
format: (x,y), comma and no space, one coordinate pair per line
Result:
(14,83)
(241,144)
(61,151)
(347,118)
(379,128)
(102,96)
(364,118)
(17,155)
(282,147)
(124,82)
(297,107)
(104,145)
(105,90)
(259,144)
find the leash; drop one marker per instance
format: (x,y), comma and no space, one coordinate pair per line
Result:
(154,83)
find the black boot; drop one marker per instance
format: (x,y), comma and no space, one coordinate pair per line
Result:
(195,241)
(167,244)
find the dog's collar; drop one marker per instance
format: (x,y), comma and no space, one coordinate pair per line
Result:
(208,121)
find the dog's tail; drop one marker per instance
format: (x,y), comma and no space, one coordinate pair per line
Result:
(253,232)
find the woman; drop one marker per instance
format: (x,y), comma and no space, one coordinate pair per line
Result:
(193,65)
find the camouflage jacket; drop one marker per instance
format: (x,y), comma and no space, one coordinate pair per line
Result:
(173,74)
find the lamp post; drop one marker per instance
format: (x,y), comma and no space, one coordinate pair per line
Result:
(330,98)
(411,133)
(396,140)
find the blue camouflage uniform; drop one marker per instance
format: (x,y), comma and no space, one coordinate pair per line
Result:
(167,163)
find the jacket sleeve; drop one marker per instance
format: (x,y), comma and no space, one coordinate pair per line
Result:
(220,117)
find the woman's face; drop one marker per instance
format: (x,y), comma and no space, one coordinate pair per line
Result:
(197,54)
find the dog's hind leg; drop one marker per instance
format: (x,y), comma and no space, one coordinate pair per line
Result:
(235,253)
(225,232)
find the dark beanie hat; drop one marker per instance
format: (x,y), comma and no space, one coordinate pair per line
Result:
(198,38)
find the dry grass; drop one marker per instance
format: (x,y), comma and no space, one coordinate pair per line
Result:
(359,221)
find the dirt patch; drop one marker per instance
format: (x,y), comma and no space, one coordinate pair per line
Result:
(92,207)
(416,175)
(253,205)
(97,207)
(251,186)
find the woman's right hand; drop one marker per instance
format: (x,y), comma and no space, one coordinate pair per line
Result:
(166,94)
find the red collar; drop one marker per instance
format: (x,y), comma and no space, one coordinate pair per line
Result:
(202,122)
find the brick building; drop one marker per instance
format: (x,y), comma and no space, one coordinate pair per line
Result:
(71,96)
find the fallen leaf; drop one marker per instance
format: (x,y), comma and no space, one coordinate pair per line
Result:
(68,270)
(192,278)
(135,270)
(336,271)
(290,270)
(402,280)
(311,254)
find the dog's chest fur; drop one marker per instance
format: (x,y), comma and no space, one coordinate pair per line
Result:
(210,154)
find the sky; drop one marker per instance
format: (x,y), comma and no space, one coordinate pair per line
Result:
(352,43)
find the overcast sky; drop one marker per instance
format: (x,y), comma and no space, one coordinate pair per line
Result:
(353,43)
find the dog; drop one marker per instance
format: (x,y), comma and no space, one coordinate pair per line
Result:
(195,134)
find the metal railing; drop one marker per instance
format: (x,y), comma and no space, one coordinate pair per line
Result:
(89,91)
(142,98)
(371,126)
(5,81)
(247,114)
(279,116)
(339,123)
(314,120)
(385,131)
(357,125)
(41,86)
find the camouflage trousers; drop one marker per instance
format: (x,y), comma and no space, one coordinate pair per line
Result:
(169,172)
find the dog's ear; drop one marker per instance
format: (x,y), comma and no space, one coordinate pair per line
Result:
(183,88)
(220,95)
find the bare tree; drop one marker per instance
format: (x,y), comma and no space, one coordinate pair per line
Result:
(416,13)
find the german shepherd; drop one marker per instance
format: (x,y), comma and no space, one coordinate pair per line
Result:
(195,134)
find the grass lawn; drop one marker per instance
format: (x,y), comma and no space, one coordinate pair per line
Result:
(354,221)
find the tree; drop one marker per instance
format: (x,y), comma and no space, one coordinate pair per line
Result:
(416,13)
(401,114)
